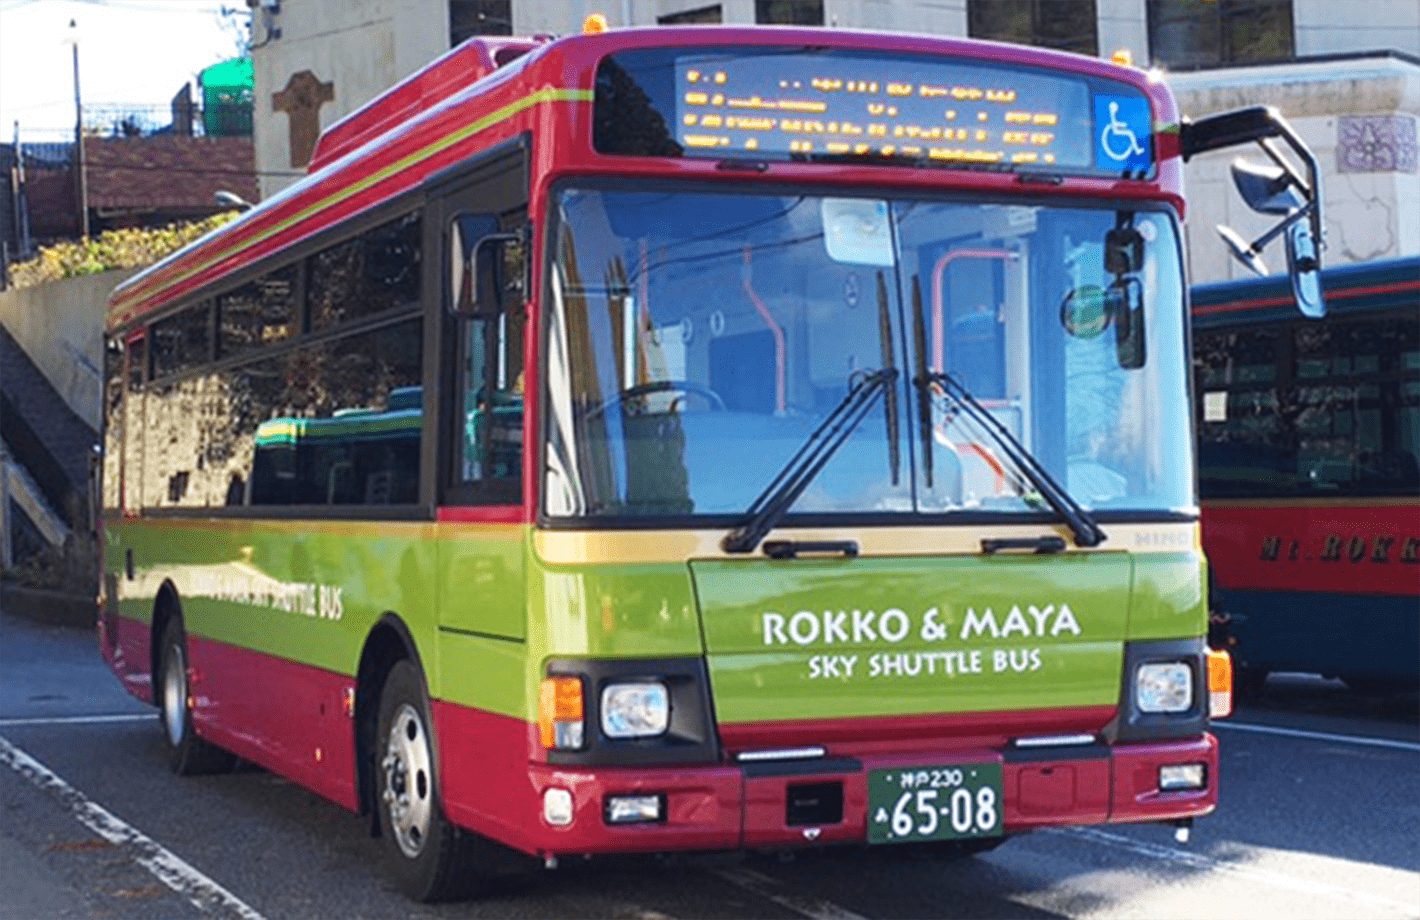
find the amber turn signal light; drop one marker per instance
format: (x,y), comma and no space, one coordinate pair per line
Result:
(559,713)
(1220,684)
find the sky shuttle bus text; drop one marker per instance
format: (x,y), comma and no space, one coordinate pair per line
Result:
(686,439)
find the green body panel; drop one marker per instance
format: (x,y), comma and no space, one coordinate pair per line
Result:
(1169,600)
(488,674)
(482,582)
(932,634)
(863,637)
(612,611)
(312,593)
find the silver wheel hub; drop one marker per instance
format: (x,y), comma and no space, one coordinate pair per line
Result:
(407,785)
(175,695)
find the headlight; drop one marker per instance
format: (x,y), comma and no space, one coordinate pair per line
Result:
(1164,687)
(635,710)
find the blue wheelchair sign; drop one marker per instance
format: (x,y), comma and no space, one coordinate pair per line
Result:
(1123,133)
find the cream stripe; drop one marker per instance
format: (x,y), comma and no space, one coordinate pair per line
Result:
(650,546)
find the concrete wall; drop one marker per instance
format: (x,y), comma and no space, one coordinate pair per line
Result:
(1360,119)
(359,47)
(60,327)
(1331,27)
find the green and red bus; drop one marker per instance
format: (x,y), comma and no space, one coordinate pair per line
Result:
(685,439)
(1309,473)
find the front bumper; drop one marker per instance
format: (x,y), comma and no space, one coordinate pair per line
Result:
(747,805)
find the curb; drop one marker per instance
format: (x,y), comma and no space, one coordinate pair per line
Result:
(52,608)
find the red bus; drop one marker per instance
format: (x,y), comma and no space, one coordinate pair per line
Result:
(685,439)
(1309,434)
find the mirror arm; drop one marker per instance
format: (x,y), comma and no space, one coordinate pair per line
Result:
(1261,242)
(1259,124)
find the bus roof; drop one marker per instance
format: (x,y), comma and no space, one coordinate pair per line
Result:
(1349,288)
(465,103)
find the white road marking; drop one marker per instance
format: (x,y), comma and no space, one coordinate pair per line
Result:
(1197,861)
(1319,736)
(182,878)
(766,887)
(77,720)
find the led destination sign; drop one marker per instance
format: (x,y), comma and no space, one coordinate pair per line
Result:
(798,103)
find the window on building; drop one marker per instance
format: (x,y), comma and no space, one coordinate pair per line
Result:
(700,16)
(1215,33)
(468,18)
(1065,25)
(788,12)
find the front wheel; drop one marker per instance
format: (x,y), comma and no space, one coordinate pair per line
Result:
(430,857)
(188,755)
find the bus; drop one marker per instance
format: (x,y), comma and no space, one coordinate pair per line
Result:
(685,439)
(1309,434)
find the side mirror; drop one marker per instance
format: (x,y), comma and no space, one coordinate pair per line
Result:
(1305,270)
(1246,253)
(1280,188)
(1266,189)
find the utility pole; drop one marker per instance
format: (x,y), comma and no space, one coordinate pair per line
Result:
(79,134)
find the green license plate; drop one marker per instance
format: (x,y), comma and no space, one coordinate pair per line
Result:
(952,802)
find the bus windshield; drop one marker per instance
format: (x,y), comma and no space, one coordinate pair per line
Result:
(698,340)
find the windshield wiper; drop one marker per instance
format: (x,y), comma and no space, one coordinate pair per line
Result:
(801,469)
(1087,532)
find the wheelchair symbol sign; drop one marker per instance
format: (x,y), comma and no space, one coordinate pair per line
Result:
(1122,132)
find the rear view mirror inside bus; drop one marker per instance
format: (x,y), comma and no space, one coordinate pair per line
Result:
(1124,302)
(490,280)
(1123,251)
(855,231)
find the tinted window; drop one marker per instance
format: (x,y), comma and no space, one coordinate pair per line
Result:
(376,272)
(1310,409)
(182,341)
(260,313)
(337,422)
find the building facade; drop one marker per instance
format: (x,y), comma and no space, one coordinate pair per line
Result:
(1350,81)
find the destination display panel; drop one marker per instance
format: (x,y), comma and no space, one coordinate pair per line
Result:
(830,105)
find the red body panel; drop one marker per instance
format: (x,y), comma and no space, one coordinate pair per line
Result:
(719,807)
(929,732)
(292,719)
(288,717)
(132,655)
(1347,548)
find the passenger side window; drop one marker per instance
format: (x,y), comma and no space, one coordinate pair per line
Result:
(489,362)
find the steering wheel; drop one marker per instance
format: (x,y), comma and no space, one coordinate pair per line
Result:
(663,386)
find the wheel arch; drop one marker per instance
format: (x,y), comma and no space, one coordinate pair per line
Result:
(167,606)
(388,642)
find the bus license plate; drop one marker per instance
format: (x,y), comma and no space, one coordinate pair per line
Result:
(954,802)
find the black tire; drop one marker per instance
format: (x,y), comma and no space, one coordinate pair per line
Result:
(188,755)
(430,858)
